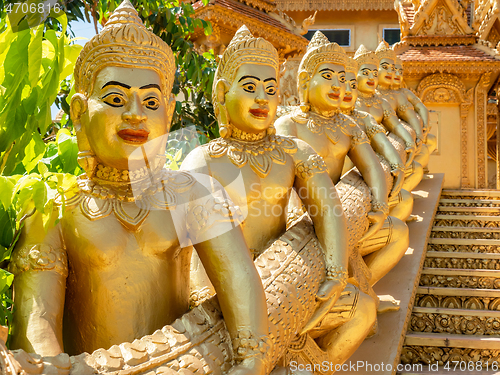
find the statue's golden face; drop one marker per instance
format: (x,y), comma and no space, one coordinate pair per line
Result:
(351,91)
(327,87)
(367,78)
(398,76)
(126,110)
(252,99)
(386,72)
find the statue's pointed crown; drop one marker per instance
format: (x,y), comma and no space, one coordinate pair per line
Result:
(364,56)
(384,51)
(124,42)
(244,48)
(351,65)
(320,50)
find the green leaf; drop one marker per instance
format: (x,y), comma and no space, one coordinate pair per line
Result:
(6,190)
(33,153)
(40,195)
(35,56)
(178,155)
(6,280)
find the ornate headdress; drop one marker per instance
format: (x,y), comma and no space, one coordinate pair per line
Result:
(398,61)
(351,65)
(125,42)
(384,51)
(363,56)
(243,48)
(319,51)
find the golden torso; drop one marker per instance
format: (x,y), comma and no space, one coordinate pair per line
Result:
(373,105)
(125,279)
(267,177)
(330,137)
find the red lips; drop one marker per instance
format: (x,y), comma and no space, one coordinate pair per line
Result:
(347,98)
(370,83)
(334,95)
(388,77)
(259,112)
(134,135)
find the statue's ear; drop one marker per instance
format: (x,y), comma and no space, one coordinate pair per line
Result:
(170,109)
(303,88)
(221,89)
(78,107)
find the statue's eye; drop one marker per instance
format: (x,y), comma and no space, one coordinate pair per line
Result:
(375,74)
(354,85)
(342,79)
(249,87)
(327,75)
(271,90)
(151,103)
(114,99)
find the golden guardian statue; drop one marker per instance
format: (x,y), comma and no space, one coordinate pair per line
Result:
(114,268)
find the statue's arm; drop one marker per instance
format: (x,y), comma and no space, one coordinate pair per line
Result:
(364,158)
(419,107)
(381,144)
(228,263)
(320,198)
(40,268)
(406,112)
(286,126)
(195,162)
(391,123)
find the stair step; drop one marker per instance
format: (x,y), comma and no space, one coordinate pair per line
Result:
(471,193)
(453,340)
(469,201)
(485,210)
(463,312)
(460,272)
(465,229)
(466,217)
(464,241)
(449,254)
(469,292)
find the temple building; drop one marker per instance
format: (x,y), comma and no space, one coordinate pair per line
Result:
(449,54)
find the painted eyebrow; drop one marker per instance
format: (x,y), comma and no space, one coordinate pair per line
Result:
(270,79)
(330,70)
(244,77)
(150,86)
(115,83)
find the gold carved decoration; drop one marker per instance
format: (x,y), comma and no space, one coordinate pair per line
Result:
(288,82)
(482,88)
(447,88)
(440,355)
(259,154)
(440,17)
(334,5)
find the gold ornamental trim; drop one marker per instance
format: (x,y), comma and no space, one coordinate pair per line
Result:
(334,5)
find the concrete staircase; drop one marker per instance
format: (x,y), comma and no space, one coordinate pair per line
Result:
(456,313)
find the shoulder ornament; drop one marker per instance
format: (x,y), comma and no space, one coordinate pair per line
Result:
(306,169)
(209,213)
(260,155)
(388,113)
(247,345)
(373,128)
(358,137)
(41,257)
(403,108)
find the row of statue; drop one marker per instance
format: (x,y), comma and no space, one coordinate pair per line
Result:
(292,219)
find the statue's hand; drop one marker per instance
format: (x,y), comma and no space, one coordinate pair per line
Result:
(399,179)
(249,366)
(330,289)
(410,154)
(328,294)
(376,219)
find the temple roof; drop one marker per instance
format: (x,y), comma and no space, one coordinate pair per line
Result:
(330,5)
(230,15)
(446,53)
